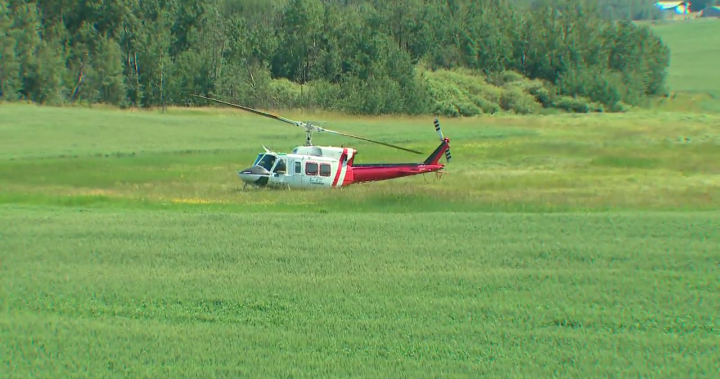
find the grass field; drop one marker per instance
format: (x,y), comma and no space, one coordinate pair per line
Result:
(157,294)
(694,58)
(129,250)
(555,246)
(693,78)
(638,161)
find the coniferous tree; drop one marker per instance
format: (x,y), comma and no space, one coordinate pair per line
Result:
(361,56)
(10,77)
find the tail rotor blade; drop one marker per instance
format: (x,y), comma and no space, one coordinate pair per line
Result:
(437,129)
(442,138)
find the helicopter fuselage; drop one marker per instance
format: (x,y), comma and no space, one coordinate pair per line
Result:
(313,166)
(329,167)
(305,167)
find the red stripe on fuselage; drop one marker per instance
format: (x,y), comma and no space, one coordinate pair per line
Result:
(339,167)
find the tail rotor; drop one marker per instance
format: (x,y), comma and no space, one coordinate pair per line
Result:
(448,156)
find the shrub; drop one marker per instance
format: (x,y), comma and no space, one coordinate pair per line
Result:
(517,101)
(572,104)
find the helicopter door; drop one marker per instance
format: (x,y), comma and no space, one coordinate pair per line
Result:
(297,177)
(279,171)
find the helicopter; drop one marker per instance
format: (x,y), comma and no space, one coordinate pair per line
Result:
(325,167)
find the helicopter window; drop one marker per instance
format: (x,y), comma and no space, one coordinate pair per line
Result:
(298,168)
(325,169)
(311,168)
(266,162)
(281,166)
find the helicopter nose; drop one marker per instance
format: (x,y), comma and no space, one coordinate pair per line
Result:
(254,175)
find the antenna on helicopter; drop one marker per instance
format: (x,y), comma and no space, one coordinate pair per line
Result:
(307,126)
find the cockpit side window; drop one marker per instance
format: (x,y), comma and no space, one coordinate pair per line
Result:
(281,166)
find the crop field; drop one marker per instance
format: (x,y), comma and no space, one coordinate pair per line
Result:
(555,246)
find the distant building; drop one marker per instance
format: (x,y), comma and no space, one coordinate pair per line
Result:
(710,12)
(676,7)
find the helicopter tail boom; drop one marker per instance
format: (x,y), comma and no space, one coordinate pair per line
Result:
(370,172)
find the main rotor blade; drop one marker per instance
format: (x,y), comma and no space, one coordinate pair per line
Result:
(302,124)
(373,141)
(261,113)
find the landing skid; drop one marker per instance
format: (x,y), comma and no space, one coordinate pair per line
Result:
(277,187)
(438,175)
(250,187)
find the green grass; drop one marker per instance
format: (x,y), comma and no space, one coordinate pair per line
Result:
(150,294)
(694,57)
(693,77)
(129,250)
(640,161)
(555,246)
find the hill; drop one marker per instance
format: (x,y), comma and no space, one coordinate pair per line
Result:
(693,75)
(694,54)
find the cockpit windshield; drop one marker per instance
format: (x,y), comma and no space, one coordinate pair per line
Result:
(265,160)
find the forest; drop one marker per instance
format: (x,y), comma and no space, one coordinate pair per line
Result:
(449,57)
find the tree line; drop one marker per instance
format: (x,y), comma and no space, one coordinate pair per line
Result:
(358,56)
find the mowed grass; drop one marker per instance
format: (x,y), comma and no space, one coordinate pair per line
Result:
(129,250)
(113,293)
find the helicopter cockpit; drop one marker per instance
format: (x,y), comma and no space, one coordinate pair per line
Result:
(268,160)
(265,160)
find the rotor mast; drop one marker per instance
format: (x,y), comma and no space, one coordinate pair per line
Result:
(308,137)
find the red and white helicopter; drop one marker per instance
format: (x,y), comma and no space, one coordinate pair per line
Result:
(311,166)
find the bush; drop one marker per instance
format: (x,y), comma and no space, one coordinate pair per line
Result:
(517,101)
(450,93)
(322,94)
(283,93)
(543,92)
(572,104)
